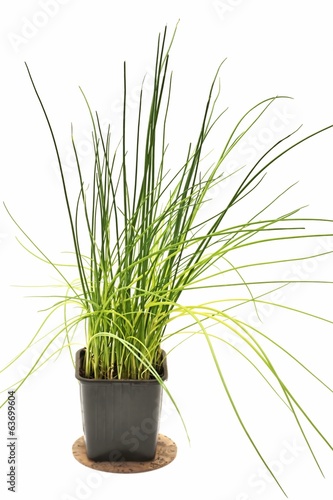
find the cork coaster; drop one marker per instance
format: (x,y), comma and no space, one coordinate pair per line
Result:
(166,452)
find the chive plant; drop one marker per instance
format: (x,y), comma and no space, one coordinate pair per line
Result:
(150,239)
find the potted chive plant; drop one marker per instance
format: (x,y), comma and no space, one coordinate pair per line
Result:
(142,238)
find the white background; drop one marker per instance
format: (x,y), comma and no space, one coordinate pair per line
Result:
(272,48)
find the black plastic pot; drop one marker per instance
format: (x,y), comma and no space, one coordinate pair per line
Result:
(120,417)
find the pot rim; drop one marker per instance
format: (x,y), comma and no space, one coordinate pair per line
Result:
(78,358)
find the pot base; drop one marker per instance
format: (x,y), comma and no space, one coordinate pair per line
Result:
(166,452)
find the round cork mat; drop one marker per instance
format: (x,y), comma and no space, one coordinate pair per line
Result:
(166,452)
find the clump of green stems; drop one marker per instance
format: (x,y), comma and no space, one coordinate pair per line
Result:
(148,243)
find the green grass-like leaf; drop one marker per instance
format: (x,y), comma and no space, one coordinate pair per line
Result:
(150,240)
